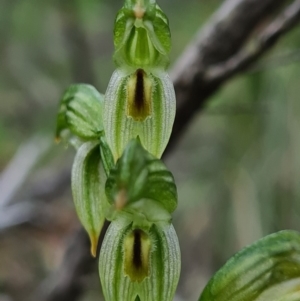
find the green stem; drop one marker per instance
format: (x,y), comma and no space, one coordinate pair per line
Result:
(106,156)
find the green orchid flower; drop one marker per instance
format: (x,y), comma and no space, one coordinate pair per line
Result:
(140,247)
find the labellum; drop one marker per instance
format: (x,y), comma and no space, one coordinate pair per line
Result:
(141,263)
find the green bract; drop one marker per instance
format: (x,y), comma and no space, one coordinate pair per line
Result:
(141,188)
(88,181)
(141,263)
(259,271)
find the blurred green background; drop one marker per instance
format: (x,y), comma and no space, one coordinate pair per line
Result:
(237,166)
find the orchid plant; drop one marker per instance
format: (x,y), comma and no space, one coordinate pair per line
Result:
(118,176)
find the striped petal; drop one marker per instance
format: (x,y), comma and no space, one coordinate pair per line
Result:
(140,104)
(144,264)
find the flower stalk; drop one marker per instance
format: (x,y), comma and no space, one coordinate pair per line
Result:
(118,176)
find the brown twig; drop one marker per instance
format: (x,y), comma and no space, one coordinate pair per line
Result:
(223,37)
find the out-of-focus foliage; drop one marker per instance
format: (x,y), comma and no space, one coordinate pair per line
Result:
(237,168)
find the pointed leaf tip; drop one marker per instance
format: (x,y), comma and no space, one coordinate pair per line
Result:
(94,238)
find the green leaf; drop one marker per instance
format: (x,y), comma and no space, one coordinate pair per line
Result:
(88,187)
(248,275)
(140,181)
(134,262)
(139,104)
(80,112)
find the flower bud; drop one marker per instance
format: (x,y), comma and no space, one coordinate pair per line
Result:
(141,36)
(139,104)
(136,262)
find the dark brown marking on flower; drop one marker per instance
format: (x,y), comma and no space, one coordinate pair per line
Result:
(139,97)
(137,249)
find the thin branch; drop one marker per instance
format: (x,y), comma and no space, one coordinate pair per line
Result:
(223,36)
(246,57)
(27,156)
